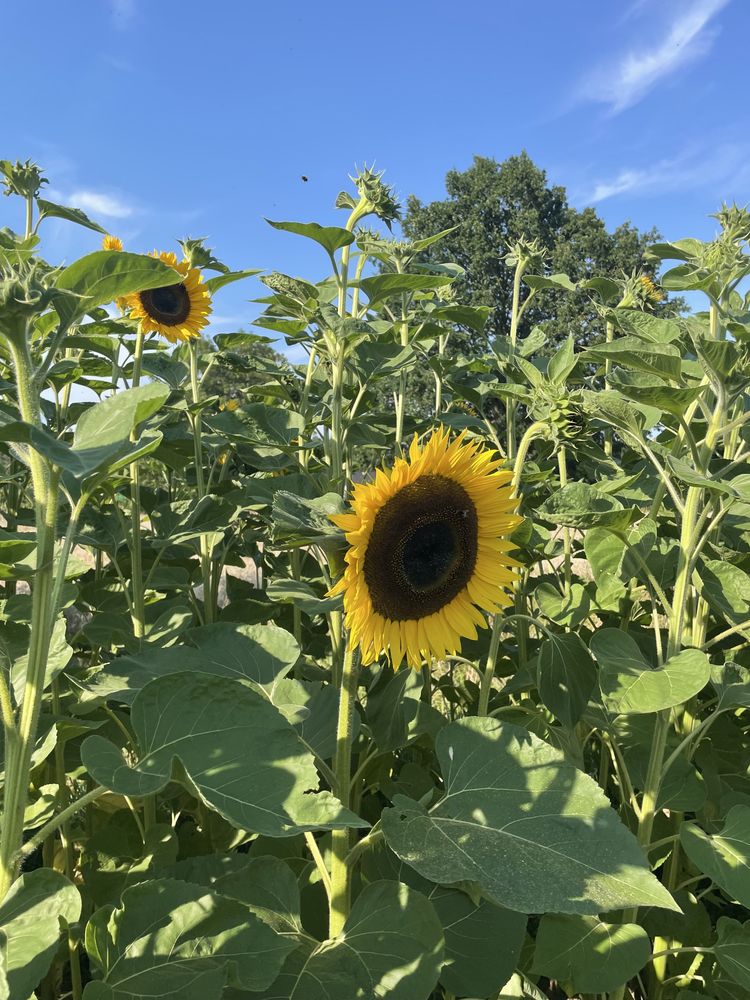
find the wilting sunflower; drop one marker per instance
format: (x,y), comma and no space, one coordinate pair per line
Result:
(428,548)
(177,312)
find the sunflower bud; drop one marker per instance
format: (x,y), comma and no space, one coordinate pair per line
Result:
(24,179)
(640,292)
(564,413)
(526,254)
(376,198)
(734,221)
(567,419)
(25,293)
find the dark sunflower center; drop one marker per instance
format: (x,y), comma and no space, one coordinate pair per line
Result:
(422,550)
(169,305)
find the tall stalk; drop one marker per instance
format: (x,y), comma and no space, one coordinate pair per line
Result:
(195,423)
(340,902)
(21,728)
(138,609)
(510,405)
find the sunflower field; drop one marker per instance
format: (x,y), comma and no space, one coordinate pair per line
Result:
(305,698)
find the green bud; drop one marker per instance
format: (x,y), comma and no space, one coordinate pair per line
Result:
(734,221)
(376,198)
(24,179)
(526,254)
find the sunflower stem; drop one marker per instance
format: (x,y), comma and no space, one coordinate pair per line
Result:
(609,337)
(20,737)
(510,406)
(340,876)
(489,669)
(138,613)
(195,422)
(562,465)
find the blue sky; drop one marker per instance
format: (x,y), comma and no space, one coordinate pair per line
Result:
(169,119)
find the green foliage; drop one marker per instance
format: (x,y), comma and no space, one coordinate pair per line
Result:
(204,794)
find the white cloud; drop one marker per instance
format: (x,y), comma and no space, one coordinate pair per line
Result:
(725,166)
(622,82)
(100,204)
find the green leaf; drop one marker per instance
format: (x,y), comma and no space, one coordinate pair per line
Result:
(648,327)
(298,522)
(212,285)
(628,683)
(175,939)
(30,926)
(587,954)
(568,610)
(391,947)
(105,275)
(580,505)
(550,281)
(382,287)
(664,360)
(726,588)
(482,942)
(732,949)
(562,363)
(331,238)
(650,390)
(261,654)
(102,434)
(265,884)
(244,758)
(523,823)
(302,596)
(14,643)
(48,209)
(566,676)
(725,856)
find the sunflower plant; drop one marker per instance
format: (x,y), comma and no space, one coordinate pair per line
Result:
(305,695)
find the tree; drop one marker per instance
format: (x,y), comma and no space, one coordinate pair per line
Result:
(492,205)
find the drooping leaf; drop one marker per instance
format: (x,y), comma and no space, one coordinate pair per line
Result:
(630,685)
(524,824)
(331,238)
(580,505)
(105,275)
(175,939)
(592,956)
(30,926)
(732,949)
(566,676)
(49,210)
(482,942)
(245,759)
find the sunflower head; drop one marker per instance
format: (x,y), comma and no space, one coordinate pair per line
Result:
(428,548)
(112,243)
(178,312)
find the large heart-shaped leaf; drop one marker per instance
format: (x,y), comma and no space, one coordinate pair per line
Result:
(102,276)
(525,824)
(239,752)
(566,676)
(261,654)
(176,939)
(733,949)
(630,685)
(587,954)
(391,947)
(725,856)
(30,926)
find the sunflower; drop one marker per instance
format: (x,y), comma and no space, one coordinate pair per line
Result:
(112,243)
(649,290)
(177,312)
(428,548)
